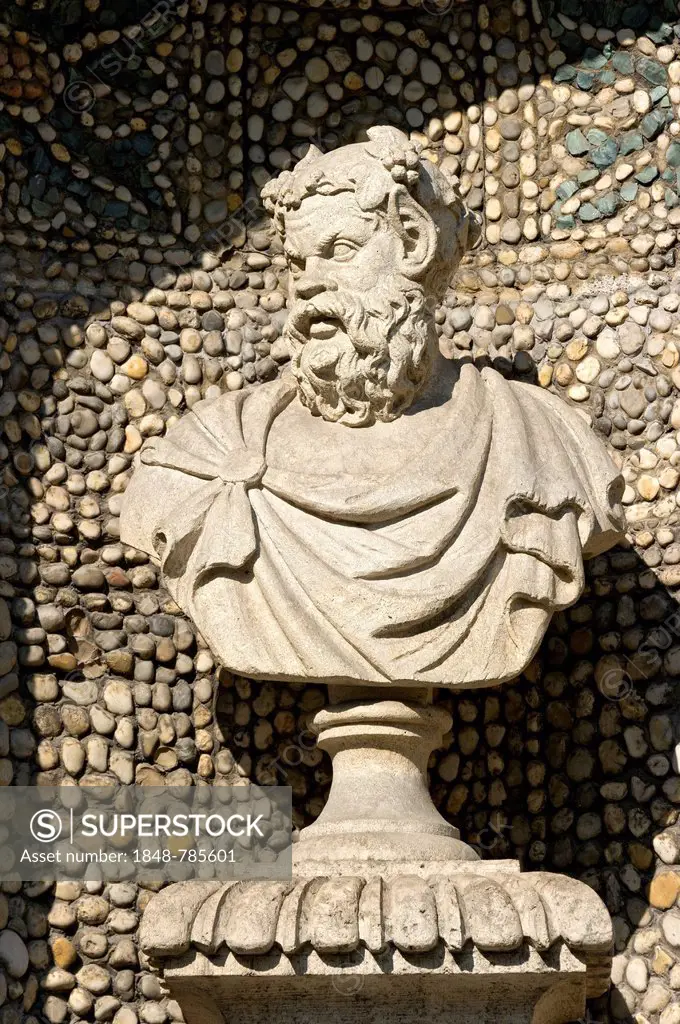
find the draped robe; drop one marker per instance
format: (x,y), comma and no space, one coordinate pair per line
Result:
(443,573)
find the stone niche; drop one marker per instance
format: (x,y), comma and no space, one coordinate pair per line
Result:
(119,212)
(493,100)
(394,566)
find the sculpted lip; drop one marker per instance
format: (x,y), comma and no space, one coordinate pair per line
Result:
(324,328)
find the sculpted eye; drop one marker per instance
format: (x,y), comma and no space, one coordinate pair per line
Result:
(343,251)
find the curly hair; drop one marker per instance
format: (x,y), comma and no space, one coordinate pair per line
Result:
(374,171)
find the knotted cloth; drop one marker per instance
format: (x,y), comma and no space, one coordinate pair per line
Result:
(215,528)
(440,569)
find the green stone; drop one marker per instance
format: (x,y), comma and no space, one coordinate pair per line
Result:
(96,203)
(571,43)
(589,212)
(566,190)
(629,191)
(604,156)
(630,142)
(593,59)
(652,71)
(143,144)
(659,30)
(577,143)
(566,222)
(116,209)
(607,77)
(597,137)
(658,93)
(671,199)
(587,175)
(585,81)
(608,204)
(647,175)
(41,161)
(79,188)
(623,63)
(41,209)
(673,154)
(566,73)
(36,186)
(652,124)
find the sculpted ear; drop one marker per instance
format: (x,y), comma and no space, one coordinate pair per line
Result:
(417,231)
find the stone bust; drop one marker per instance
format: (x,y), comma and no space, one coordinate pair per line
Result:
(427,545)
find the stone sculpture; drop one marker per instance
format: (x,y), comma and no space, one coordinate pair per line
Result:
(386,522)
(431,546)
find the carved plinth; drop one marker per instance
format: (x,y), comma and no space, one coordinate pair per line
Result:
(463,946)
(520,994)
(388,913)
(379,811)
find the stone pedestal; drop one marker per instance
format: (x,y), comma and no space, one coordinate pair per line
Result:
(389,916)
(517,991)
(471,945)
(379,810)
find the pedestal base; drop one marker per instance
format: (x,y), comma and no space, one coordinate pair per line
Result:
(519,990)
(476,945)
(389,916)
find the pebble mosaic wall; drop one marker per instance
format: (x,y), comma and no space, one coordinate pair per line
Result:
(139,275)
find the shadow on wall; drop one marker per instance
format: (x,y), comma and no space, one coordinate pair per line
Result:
(121,108)
(568,768)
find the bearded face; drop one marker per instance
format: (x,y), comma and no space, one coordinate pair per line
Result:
(360,336)
(358,359)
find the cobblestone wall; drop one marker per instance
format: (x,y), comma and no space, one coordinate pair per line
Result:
(139,275)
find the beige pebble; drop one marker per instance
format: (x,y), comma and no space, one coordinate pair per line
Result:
(642,101)
(317,70)
(133,439)
(648,487)
(624,171)
(494,209)
(136,367)
(588,370)
(668,478)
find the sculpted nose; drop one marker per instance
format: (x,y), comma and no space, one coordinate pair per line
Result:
(315,279)
(308,287)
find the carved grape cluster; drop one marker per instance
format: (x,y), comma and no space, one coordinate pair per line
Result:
(399,155)
(402,161)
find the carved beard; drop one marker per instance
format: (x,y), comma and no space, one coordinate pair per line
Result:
(358,359)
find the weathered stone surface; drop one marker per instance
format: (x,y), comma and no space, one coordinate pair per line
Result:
(355,921)
(119,226)
(326,368)
(413,914)
(13,953)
